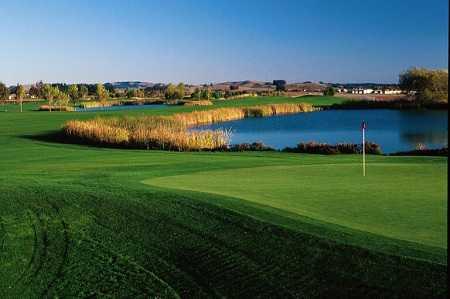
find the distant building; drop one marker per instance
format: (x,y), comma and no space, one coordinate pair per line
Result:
(12,96)
(341,90)
(387,91)
(392,91)
(362,90)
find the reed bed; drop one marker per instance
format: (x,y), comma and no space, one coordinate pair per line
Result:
(171,132)
(198,103)
(55,108)
(197,118)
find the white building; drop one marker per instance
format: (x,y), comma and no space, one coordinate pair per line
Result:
(387,91)
(362,90)
(392,91)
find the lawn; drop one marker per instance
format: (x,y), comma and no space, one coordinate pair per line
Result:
(382,203)
(78,221)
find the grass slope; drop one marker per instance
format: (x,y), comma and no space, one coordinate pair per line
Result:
(77,221)
(403,199)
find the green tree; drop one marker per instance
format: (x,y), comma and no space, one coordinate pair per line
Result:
(49,93)
(62,98)
(4,93)
(217,94)
(83,91)
(179,91)
(36,90)
(135,93)
(329,91)
(131,93)
(73,92)
(280,85)
(102,93)
(170,91)
(20,95)
(205,94)
(428,85)
(196,94)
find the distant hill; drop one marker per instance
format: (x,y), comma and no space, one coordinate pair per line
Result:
(132,84)
(249,85)
(306,86)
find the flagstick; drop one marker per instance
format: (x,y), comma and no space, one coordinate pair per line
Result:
(364,150)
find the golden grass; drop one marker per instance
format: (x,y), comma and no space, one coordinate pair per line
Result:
(171,132)
(55,108)
(95,104)
(198,103)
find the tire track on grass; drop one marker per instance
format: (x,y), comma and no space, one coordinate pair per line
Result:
(34,250)
(59,275)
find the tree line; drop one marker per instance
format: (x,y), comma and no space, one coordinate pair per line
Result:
(427,85)
(61,94)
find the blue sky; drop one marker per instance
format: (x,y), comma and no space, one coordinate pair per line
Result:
(201,41)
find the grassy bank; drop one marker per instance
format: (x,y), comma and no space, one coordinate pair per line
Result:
(79,221)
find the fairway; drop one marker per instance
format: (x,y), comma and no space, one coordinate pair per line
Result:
(81,221)
(403,199)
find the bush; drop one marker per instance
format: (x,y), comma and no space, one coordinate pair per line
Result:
(329,91)
(443,152)
(255,146)
(328,149)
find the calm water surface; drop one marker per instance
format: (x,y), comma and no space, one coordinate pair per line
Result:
(393,130)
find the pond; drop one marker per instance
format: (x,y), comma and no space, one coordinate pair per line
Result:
(393,130)
(122,107)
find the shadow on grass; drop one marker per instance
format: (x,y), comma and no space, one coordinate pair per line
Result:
(58,137)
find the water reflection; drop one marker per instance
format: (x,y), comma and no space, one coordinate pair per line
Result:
(394,130)
(422,138)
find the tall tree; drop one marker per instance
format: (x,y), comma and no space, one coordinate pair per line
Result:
(179,91)
(4,93)
(170,91)
(329,91)
(49,93)
(73,92)
(62,98)
(428,85)
(102,93)
(131,93)
(205,93)
(20,94)
(83,91)
(196,94)
(36,90)
(280,85)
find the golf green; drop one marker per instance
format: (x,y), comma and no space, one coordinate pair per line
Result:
(404,200)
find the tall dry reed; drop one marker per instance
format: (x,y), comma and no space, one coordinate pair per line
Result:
(171,132)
